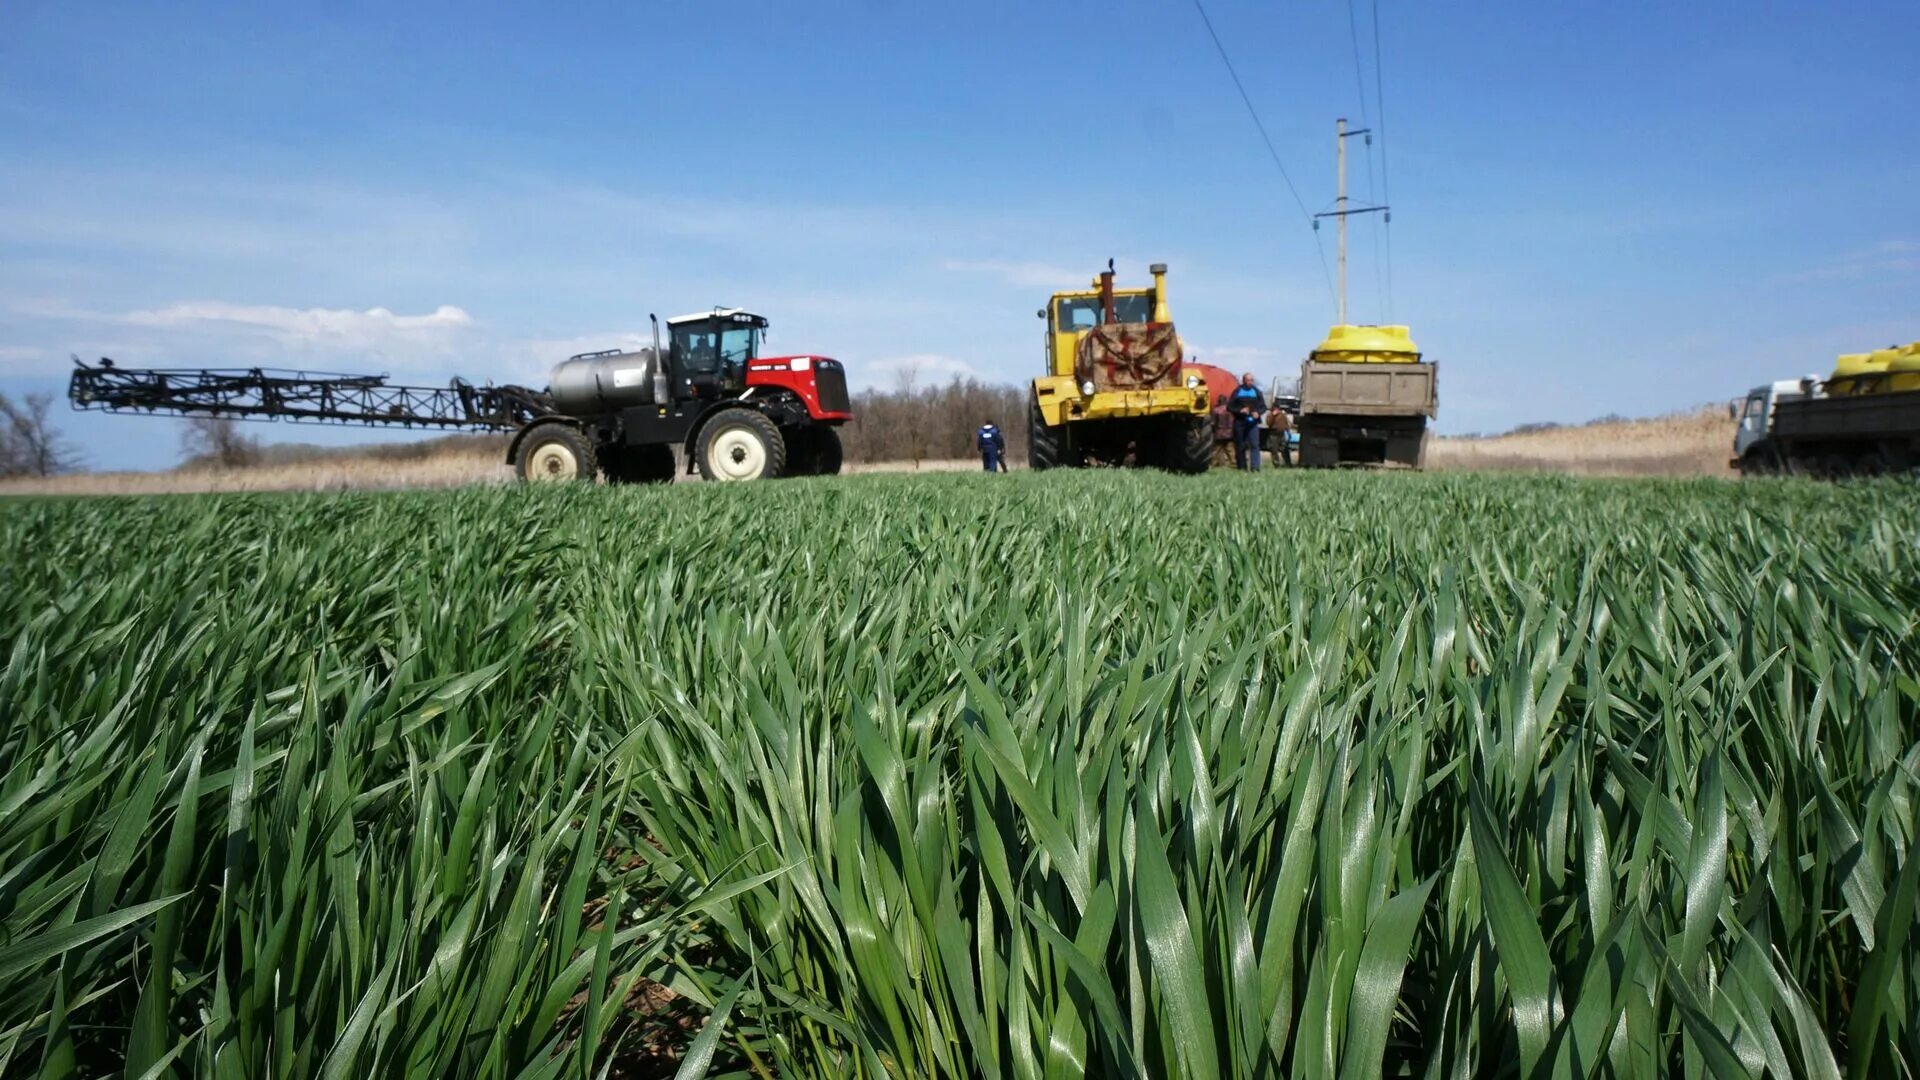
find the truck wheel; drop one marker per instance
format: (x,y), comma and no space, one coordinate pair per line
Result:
(637,465)
(555,452)
(1318,451)
(1190,445)
(1045,443)
(740,444)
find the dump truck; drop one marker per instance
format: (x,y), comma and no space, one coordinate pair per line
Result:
(1862,420)
(1116,391)
(617,413)
(1365,399)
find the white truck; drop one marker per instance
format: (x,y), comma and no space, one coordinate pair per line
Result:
(1795,426)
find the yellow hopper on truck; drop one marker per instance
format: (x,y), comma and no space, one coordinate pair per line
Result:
(1116,391)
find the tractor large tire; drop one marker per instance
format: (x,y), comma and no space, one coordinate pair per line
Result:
(1046,444)
(555,452)
(1190,445)
(813,451)
(637,464)
(827,454)
(740,444)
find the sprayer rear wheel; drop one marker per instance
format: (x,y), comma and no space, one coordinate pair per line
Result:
(555,452)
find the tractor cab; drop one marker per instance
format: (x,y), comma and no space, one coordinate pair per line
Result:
(709,352)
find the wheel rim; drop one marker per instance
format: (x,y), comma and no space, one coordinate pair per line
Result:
(552,462)
(737,454)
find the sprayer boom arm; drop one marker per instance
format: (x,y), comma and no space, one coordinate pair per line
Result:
(303,396)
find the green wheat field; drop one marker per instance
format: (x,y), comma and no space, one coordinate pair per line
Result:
(1054,775)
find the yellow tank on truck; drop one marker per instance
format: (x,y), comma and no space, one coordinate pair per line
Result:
(1368,345)
(1858,373)
(1905,368)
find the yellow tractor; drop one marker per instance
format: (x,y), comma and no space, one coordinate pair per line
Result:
(1116,391)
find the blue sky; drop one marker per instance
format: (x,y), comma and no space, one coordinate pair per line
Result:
(1598,208)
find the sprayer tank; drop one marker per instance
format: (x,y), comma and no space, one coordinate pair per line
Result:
(602,382)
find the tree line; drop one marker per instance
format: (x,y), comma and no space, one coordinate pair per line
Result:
(934,423)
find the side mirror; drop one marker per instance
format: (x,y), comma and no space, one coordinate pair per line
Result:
(1733,411)
(1041,314)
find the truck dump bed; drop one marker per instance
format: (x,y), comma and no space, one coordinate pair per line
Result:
(1363,389)
(1893,415)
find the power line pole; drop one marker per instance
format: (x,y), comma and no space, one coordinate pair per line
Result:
(1340,204)
(1340,209)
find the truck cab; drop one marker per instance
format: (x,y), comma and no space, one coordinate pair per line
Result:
(1755,421)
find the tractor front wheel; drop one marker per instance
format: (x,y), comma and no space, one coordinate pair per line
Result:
(1191,445)
(813,450)
(555,452)
(740,444)
(1046,444)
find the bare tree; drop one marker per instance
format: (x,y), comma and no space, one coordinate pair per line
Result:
(936,421)
(217,442)
(906,378)
(29,443)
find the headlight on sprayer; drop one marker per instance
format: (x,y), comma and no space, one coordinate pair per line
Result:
(1086,388)
(1193,382)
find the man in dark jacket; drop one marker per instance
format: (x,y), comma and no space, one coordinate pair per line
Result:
(1222,432)
(993,448)
(1247,405)
(1281,425)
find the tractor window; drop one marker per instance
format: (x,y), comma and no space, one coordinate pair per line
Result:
(1083,313)
(696,349)
(1133,309)
(738,345)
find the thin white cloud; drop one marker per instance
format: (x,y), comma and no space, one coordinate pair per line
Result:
(22,356)
(1888,258)
(1027,275)
(1225,353)
(917,369)
(225,333)
(319,325)
(222,334)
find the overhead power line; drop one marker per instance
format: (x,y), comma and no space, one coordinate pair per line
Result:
(1360,87)
(1386,193)
(1268,140)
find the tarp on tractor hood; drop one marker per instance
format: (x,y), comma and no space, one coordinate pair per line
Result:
(1128,356)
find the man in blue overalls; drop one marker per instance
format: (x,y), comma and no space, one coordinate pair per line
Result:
(1247,406)
(993,448)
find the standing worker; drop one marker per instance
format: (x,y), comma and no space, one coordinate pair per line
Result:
(1222,431)
(1247,404)
(993,448)
(1281,425)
